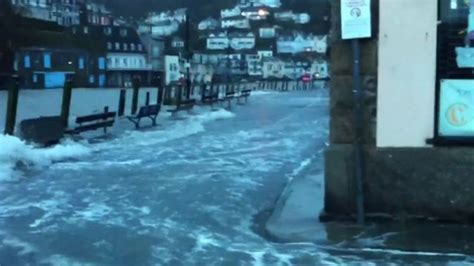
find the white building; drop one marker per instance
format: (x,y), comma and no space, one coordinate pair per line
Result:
(165,28)
(269,3)
(209,24)
(172,69)
(267,32)
(302,18)
(179,15)
(177,42)
(238,22)
(284,15)
(127,61)
(298,43)
(218,41)
(264,53)
(64,12)
(320,69)
(254,65)
(273,68)
(232,12)
(255,13)
(241,41)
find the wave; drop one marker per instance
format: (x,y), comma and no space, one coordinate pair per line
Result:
(16,155)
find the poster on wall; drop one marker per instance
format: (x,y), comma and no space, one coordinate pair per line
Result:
(456,116)
(356,19)
(465,53)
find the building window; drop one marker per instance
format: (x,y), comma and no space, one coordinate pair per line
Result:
(91,79)
(117,46)
(123,32)
(107,31)
(47,61)
(81,63)
(132,47)
(101,63)
(117,62)
(140,47)
(35,78)
(125,62)
(27,61)
(86,30)
(109,45)
(125,47)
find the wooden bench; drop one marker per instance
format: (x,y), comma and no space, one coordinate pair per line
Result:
(229,96)
(147,111)
(245,94)
(93,122)
(183,105)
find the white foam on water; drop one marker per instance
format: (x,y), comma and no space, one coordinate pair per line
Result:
(259,93)
(204,240)
(95,164)
(14,242)
(13,150)
(60,260)
(94,212)
(194,124)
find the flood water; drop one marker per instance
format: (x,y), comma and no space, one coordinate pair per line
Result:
(193,191)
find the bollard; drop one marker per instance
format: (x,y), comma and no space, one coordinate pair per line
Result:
(179,95)
(12,106)
(122,100)
(136,88)
(147,98)
(106,110)
(66,104)
(159,98)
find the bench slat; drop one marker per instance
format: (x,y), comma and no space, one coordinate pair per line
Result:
(96,126)
(94,117)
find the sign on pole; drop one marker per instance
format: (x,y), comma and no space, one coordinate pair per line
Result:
(356,19)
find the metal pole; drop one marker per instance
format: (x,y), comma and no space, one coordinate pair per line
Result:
(359,166)
(147,98)
(188,56)
(12,106)
(66,104)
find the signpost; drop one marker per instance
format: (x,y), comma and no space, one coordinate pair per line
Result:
(356,23)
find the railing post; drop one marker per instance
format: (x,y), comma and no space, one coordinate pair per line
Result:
(66,104)
(159,98)
(136,88)
(12,106)
(147,98)
(122,100)
(106,110)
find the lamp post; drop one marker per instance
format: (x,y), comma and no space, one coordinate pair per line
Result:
(188,55)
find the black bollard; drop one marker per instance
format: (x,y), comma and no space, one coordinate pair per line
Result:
(66,104)
(122,100)
(147,98)
(12,106)
(136,88)
(159,98)
(106,110)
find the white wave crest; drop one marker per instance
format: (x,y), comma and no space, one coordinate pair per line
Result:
(14,151)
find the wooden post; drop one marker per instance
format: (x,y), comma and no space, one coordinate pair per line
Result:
(136,88)
(122,100)
(159,98)
(12,106)
(147,98)
(66,104)
(106,110)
